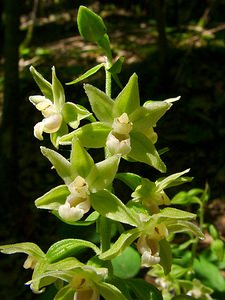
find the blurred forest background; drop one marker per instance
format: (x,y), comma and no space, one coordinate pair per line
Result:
(176,47)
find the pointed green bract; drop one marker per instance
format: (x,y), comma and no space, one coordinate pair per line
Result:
(111,207)
(44,85)
(81,161)
(101,104)
(90,25)
(144,118)
(125,240)
(61,164)
(103,173)
(143,150)
(174,213)
(170,180)
(128,100)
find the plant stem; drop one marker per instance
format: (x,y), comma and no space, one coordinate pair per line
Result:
(108,77)
(105,233)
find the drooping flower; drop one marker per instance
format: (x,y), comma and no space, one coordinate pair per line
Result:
(125,127)
(152,194)
(56,112)
(148,245)
(52,118)
(151,234)
(82,178)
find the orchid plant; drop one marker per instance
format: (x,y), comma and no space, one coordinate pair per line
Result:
(144,226)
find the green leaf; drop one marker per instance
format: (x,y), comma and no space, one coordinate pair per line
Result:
(92,135)
(143,150)
(58,91)
(143,290)
(72,114)
(110,206)
(81,161)
(168,181)
(184,198)
(67,248)
(87,74)
(173,213)
(127,264)
(104,44)
(165,256)
(130,179)
(103,173)
(90,25)
(146,117)
(109,291)
(44,85)
(54,198)
(181,226)
(62,165)
(128,100)
(209,274)
(101,104)
(125,240)
(27,248)
(217,248)
(117,66)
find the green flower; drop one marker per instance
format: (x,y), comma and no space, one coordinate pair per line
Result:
(125,127)
(58,259)
(152,194)
(82,178)
(151,233)
(56,112)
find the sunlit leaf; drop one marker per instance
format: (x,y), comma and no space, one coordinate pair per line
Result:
(125,240)
(68,247)
(87,74)
(110,206)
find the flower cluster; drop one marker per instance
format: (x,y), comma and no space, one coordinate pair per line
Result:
(125,129)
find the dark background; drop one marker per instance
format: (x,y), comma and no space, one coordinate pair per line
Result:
(176,47)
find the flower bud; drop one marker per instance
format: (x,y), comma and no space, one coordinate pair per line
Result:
(122,125)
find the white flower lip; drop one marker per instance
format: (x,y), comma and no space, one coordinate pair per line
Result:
(49,125)
(78,202)
(52,118)
(117,146)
